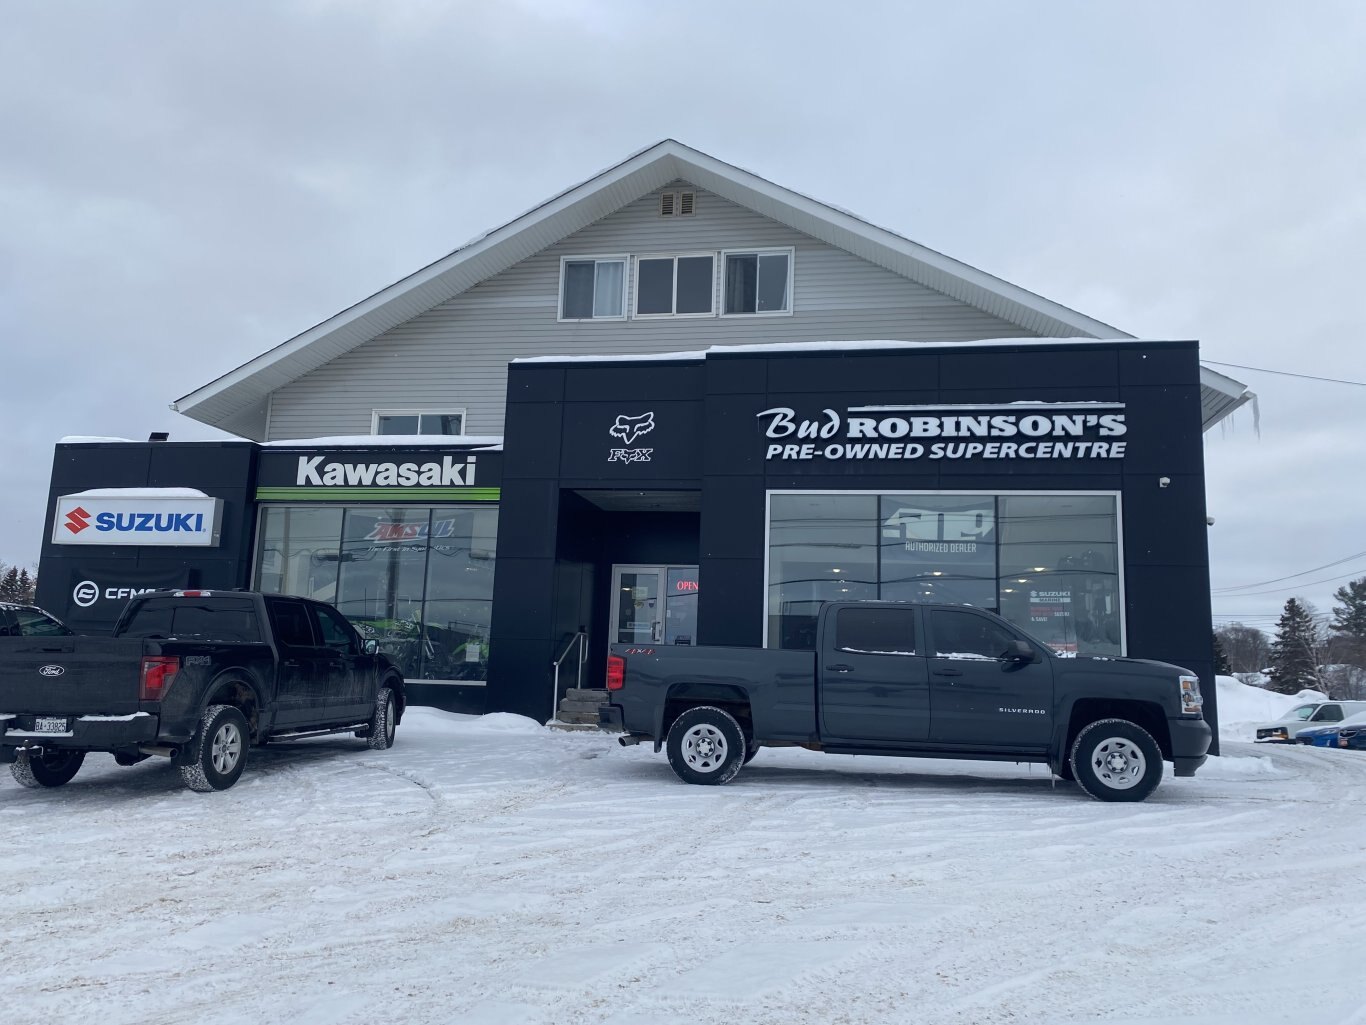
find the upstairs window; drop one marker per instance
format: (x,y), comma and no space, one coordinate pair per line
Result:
(593,288)
(675,286)
(758,282)
(418,421)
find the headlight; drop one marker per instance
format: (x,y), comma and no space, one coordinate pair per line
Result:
(1191,701)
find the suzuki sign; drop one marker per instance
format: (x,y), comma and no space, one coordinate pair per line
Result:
(129,518)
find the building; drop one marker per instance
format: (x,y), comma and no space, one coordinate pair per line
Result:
(656,407)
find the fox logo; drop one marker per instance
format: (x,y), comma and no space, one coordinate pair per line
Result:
(629,428)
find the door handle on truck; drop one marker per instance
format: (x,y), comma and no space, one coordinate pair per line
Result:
(839,669)
(948,672)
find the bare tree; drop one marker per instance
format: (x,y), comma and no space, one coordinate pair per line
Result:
(1247,647)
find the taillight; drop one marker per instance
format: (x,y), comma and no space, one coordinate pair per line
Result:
(616,672)
(157,673)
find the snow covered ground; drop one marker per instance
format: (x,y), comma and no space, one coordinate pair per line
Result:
(487,871)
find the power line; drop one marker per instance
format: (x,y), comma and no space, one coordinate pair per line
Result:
(1286,373)
(1224,591)
(1291,587)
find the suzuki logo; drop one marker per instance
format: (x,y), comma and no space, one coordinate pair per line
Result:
(87,592)
(50,670)
(629,428)
(77,520)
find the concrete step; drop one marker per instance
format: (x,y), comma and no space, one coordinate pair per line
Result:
(580,717)
(585,694)
(570,727)
(581,706)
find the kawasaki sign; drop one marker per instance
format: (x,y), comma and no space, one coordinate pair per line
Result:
(144,518)
(360,475)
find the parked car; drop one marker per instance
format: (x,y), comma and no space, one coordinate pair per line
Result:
(29,621)
(918,680)
(1326,735)
(1352,736)
(196,677)
(1314,713)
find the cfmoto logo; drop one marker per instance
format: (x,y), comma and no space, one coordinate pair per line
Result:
(87,592)
(77,520)
(50,670)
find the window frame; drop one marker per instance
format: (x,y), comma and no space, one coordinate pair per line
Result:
(623,258)
(789,251)
(674,315)
(461,411)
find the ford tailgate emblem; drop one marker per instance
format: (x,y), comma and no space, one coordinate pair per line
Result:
(50,671)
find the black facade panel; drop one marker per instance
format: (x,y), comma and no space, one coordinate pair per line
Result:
(1170,364)
(726,375)
(1029,366)
(81,467)
(834,372)
(531,440)
(631,440)
(535,382)
(726,429)
(1165,435)
(731,611)
(527,515)
(1160,522)
(652,381)
(520,677)
(739,532)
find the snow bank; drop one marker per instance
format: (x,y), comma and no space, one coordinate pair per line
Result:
(506,722)
(1242,708)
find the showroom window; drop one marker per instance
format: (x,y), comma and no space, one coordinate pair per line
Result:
(418,421)
(593,288)
(675,286)
(1048,563)
(758,283)
(419,580)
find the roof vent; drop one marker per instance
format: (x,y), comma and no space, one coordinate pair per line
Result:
(668,203)
(677,204)
(686,201)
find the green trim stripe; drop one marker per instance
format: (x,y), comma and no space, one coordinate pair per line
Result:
(325,494)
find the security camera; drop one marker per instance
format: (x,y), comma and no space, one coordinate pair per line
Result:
(1162,482)
(1209,521)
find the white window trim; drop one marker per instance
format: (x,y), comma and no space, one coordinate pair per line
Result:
(623,258)
(675,257)
(766,251)
(375,414)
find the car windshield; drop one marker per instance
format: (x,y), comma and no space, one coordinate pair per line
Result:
(1302,712)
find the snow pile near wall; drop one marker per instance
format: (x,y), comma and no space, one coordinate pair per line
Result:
(1242,708)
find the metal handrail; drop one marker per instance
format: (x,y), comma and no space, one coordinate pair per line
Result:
(580,639)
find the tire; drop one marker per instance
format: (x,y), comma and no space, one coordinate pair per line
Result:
(706,746)
(216,756)
(384,721)
(751,749)
(1116,760)
(53,768)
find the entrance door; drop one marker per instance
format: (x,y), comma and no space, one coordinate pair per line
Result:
(654,605)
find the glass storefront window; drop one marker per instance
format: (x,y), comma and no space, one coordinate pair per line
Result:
(820,548)
(1049,563)
(418,580)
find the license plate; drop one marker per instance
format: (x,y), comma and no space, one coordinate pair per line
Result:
(1342,741)
(47,724)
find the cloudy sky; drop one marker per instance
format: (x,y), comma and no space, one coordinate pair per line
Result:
(184,185)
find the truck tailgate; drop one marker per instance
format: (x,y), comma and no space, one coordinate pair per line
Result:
(70,675)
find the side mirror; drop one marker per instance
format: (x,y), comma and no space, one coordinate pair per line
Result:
(1021,651)
(371,647)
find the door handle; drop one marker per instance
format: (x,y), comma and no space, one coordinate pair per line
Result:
(841,668)
(948,672)
(290,663)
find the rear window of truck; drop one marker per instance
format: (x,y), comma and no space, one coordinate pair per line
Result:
(185,619)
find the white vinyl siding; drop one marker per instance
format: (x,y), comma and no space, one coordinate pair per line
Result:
(456,354)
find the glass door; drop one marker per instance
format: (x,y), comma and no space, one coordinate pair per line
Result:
(654,605)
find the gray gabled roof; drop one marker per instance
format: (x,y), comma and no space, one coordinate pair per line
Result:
(247,387)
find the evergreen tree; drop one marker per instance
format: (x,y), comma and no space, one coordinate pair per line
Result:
(1222,667)
(1349,620)
(28,586)
(1293,665)
(9,585)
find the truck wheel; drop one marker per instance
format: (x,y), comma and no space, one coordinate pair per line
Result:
(216,756)
(49,769)
(706,746)
(382,724)
(1116,760)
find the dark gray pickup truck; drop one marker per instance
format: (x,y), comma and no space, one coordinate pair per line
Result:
(930,681)
(196,676)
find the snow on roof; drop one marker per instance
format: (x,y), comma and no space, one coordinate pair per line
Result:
(83,439)
(480,442)
(139,493)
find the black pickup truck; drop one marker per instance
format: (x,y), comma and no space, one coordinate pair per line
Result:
(196,676)
(923,680)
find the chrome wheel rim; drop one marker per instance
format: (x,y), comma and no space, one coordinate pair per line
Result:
(226,747)
(1118,763)
(704,748)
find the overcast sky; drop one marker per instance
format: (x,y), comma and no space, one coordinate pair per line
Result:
(184,185)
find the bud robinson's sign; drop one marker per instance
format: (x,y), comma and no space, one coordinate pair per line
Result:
(1016,430)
